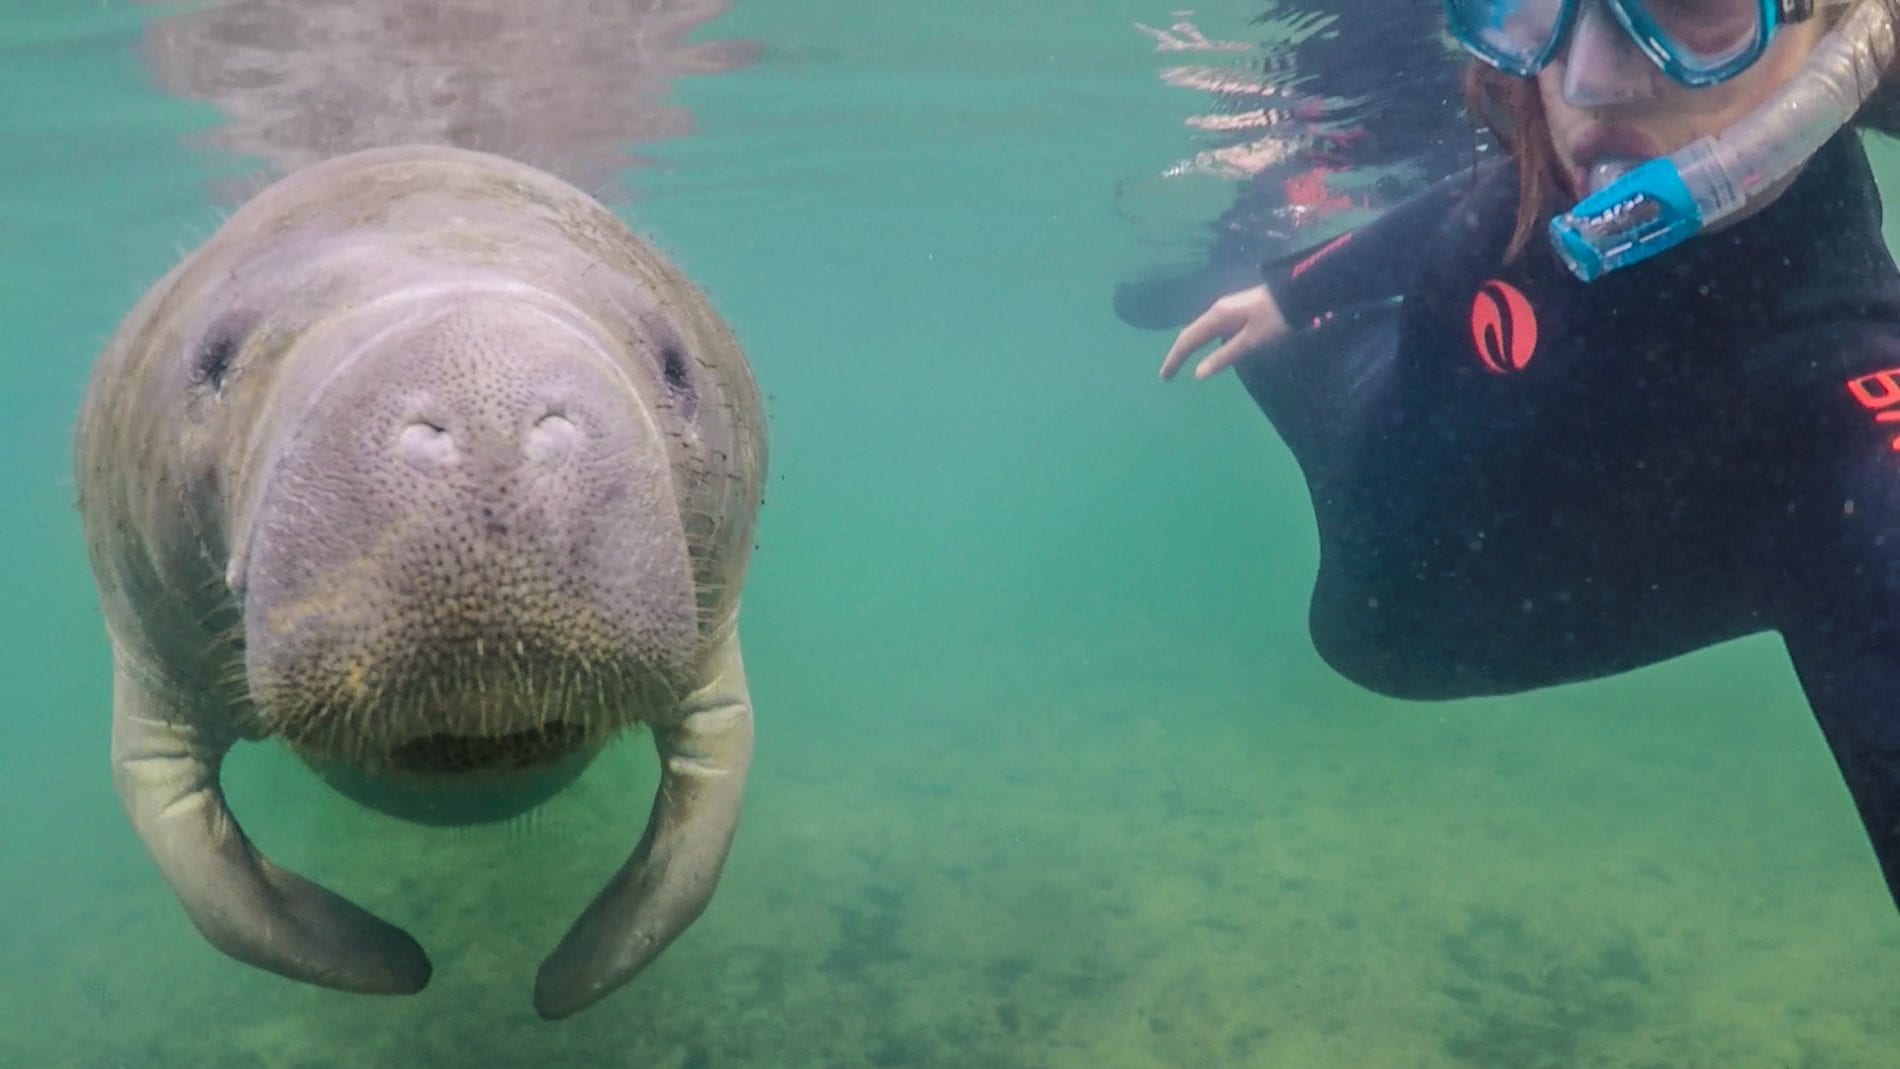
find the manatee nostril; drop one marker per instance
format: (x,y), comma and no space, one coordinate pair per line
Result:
(551,438)
(427,443)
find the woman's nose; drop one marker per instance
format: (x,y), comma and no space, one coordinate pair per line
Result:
(1602,64)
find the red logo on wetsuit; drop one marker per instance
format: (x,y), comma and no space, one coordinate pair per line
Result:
(1327,250)
(1504,327)
(1879,393)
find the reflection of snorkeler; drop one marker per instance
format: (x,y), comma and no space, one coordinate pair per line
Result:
(1522,478)
(1372,91)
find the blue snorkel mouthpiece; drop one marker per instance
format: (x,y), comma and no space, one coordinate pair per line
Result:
(1665,202)
(1648,210)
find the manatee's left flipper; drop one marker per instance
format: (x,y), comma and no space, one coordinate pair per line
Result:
(258,913)
(668,880)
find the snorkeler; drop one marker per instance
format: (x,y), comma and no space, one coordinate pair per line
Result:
(1633,390)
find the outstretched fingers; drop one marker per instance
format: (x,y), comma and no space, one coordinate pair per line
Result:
(1216,322)
(1247,320)
(1247,340)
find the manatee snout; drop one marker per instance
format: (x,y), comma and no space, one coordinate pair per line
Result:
(428,466)
(466,569)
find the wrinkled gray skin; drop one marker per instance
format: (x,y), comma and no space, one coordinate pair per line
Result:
(426,465)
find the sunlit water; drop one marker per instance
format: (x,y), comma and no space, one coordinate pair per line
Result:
(1047,771)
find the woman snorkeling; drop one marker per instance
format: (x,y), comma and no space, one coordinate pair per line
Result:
(1631,389)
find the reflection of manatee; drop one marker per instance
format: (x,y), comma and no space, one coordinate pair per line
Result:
(428,465)
(564,85)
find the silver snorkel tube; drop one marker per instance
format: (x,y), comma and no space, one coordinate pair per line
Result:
(1665,202)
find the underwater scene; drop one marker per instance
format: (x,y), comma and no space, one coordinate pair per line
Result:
(1046,767)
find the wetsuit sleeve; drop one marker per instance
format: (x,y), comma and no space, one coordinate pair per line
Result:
(1366,264)
(1840,618)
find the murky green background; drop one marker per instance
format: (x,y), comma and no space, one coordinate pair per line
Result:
(1048,773)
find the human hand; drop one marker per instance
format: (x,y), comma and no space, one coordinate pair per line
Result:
(1248,319)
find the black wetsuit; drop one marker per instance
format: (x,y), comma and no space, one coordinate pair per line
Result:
(1521,479)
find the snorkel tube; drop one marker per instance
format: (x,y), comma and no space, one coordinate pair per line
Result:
(1662,203)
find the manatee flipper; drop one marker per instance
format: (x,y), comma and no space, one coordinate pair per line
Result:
(668,880)
(258,913)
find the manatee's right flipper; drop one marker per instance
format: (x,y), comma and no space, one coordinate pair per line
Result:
(669,879)
(258,913)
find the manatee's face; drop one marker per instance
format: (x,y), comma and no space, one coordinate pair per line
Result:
(462,565)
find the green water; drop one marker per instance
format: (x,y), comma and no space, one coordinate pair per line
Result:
(1047,771)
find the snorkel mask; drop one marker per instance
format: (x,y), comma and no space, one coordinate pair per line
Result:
(1660,204)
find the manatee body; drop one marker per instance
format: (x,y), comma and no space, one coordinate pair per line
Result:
(426,465)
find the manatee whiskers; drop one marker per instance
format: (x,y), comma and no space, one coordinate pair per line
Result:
(369,718)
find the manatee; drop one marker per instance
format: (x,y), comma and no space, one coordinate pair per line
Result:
(428,467)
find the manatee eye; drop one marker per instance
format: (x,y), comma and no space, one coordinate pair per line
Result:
(215,356)
(679,383)
(673,366)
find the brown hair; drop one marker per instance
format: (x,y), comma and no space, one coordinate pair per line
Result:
(1511,111)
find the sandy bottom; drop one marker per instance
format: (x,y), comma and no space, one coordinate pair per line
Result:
(1124,876)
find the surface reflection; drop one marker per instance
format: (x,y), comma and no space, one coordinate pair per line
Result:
(571,86)
(1340,109)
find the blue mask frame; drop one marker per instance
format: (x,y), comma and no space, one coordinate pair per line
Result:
(1634,17)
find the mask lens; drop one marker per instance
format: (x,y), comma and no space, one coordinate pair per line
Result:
(1706,35)
(1513,34)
